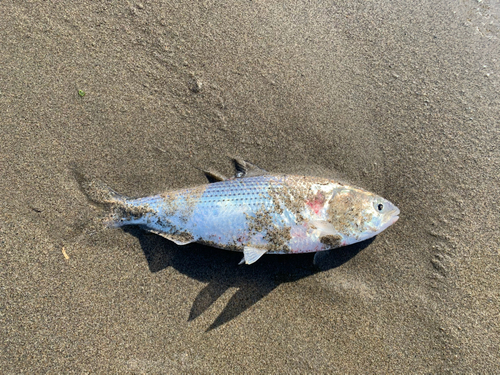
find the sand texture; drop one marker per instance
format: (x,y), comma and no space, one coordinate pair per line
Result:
(399,97)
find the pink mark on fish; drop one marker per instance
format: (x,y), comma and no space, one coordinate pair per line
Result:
(317,202)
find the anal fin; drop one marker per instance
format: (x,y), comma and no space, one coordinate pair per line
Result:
(178,238)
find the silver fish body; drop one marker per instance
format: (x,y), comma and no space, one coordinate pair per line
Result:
(274,214)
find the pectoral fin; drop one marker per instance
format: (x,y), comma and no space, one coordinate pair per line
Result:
(326,228)
(251,254)
(328,235)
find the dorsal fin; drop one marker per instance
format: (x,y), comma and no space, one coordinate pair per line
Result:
(246,169)
(214,176)
(242,169)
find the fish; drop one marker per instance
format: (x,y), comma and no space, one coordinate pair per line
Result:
(256,212)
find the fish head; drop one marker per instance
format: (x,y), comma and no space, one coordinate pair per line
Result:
(359,215)
(382,213)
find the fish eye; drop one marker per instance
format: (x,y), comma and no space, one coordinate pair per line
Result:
(380,207)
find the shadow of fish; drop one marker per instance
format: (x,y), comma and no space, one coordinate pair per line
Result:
(256,212)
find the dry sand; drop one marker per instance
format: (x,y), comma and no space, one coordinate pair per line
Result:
(400,97)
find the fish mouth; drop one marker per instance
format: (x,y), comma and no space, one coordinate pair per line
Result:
(393,218)
(386,224)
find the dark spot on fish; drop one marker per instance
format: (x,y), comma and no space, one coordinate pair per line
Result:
(332,241)
(278,238)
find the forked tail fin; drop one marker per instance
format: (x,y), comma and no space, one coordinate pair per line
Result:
(102,195)
(96,191)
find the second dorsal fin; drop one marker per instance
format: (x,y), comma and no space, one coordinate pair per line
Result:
(214,176)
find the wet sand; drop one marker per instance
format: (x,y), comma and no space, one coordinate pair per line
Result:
(399,98)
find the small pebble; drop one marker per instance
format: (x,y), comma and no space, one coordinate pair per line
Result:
(196,85)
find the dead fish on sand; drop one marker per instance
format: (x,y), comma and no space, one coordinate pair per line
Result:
(256,213)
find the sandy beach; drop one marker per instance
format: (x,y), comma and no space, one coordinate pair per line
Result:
(400,98)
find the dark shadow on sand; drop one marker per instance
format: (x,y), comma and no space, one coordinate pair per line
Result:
(220,270)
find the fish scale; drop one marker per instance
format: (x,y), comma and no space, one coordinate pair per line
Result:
(252,193)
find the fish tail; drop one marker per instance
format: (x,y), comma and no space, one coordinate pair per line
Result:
(113,219)
(99,192)
(102,195)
